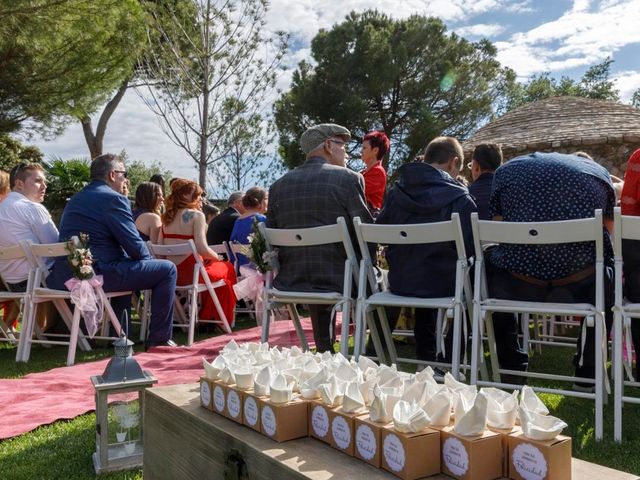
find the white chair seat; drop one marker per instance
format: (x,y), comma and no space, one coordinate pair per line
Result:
(304,297)
(499,305)
(388,298)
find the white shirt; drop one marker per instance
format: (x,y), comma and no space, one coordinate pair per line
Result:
(22,219)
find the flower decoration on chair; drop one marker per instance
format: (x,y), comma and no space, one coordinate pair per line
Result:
(257,252)
(82,284)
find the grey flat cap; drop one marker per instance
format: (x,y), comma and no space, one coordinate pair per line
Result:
(317,134)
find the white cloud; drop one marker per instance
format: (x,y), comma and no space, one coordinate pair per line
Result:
(520,7)
(481,30)
(627,82)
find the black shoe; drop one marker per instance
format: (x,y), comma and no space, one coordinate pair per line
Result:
(166,343)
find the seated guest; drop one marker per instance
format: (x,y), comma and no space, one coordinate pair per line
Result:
(487,157)
(23,217)
(159,179)
(146,210)
(120,255)
(254,203)
(427,192)
(630,205)
(183,220)
(221,226)
(542,187)
(210,211)
(375,146)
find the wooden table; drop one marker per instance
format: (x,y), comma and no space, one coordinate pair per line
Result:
(182,440)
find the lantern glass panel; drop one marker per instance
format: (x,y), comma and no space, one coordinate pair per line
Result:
(124,430)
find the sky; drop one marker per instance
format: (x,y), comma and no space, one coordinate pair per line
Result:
(562,37)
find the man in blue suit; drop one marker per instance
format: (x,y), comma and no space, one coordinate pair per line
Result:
(120,255)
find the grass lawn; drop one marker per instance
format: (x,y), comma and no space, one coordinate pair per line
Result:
(63,450)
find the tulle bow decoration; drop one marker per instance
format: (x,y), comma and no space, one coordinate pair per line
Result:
(83,296)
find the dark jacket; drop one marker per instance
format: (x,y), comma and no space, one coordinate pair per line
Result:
(221,227)
(480,191)
(424,194)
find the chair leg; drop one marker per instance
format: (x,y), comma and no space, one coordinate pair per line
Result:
(368,318)
(599,377)
(73,339)
(493,351)
(476,340)
(388,337)
(344,336)
(266,319)
(618,385)
(298,326)
(455,358)
(24,346)
(193,316)
(223,318)
(144,316)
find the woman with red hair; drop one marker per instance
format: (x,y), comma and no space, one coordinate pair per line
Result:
(375,145)
(183,220)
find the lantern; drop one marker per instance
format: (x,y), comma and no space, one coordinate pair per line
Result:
(119,425)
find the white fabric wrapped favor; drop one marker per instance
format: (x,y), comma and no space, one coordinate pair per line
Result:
(470,413)
(262,382)
(530,401)
(244,377)
(454,385)
(408,417)
(212,370)
(309,388)
(366,389)
(416,393)
(280,391)
(226,376)
(438,408)
(332,393)
(539,427)
(502,408)
(384,400)
(352,401)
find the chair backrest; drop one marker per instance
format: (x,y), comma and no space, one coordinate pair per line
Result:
(177,250)
(307,237)
(539,233)
(625,227)
(15,252)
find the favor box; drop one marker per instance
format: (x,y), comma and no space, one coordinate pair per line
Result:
(234,403)
(504,439)
(410,455)
(251,410)
(219,397)
(283,421)
(471,458)
(342,431)
(320,421)
(539,459)
(206,393)
(368,440)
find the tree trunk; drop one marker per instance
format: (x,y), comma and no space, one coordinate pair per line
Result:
(95,140)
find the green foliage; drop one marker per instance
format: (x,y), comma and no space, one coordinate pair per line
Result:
(635,98)
(407,77)
(64,179)
(595,83)
(13,152)
(60,60)
(138,172)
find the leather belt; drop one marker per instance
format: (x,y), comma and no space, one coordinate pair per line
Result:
(573,278)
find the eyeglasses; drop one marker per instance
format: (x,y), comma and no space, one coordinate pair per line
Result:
(123,172)
(338,142)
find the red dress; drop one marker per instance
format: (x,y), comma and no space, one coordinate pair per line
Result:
(375,183)
(216,271)
(630,198)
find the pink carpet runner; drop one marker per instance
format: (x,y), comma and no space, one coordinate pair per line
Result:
(66,392)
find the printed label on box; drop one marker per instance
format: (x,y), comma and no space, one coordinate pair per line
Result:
(251,411)
(205,394)
(233,403)
(455,456)
(218,398)
(341,433)
(320,421)
(393,452)
(366,442)
(268,421)
(529,462)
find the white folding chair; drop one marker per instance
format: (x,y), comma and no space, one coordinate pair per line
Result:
(306,237)
(40,294)
(455,306)
(525,233)
(194,288)
(15,252)
(625,228)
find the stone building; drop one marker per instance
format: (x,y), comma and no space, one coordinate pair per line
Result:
(608,131)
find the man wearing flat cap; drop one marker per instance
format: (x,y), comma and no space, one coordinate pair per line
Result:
(315,194)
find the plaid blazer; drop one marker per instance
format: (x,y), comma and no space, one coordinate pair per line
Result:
(315,194)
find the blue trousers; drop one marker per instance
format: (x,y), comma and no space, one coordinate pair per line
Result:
(159,276)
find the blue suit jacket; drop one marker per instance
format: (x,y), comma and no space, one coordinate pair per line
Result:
(105,215)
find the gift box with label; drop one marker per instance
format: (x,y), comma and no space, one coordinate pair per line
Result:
(410,455)
(471,458)
(342,431)
(234,403)
(504,440)
(283,421)
(206,393)
(219,397)
(367,440)
(251,410)
(319,421)
(539,459)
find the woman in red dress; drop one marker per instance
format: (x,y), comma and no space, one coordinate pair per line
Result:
(183,220)
(375,145)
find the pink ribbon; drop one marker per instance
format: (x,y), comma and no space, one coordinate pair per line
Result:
(84,297)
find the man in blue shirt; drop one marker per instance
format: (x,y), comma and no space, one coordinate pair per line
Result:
(487,157)
(544,187)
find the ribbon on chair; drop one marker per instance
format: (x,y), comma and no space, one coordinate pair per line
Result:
(84,297)
(626,333)
(589,322)
(251,288)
